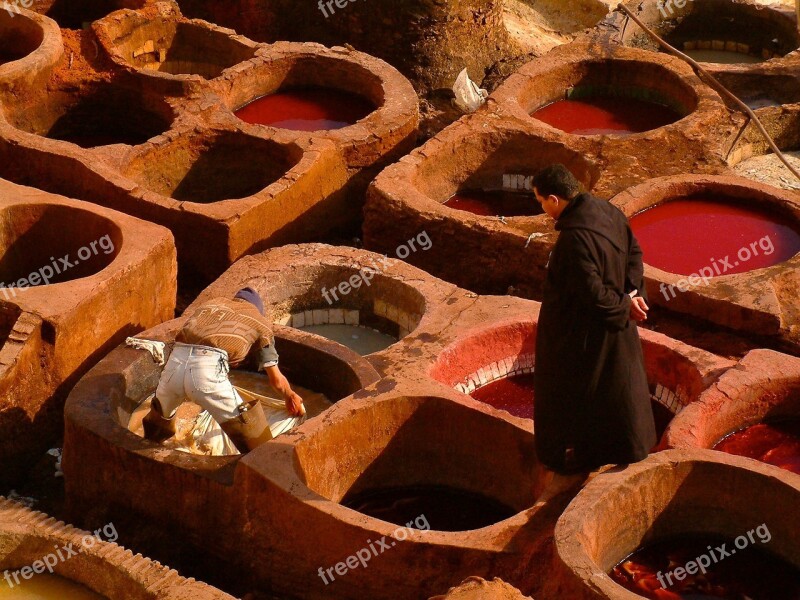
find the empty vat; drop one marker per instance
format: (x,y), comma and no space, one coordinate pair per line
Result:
(99,114)
(214,168)
(19,36)
(172,47)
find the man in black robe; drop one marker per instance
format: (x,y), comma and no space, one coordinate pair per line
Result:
(592,403)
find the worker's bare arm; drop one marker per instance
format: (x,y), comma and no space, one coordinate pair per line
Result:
(294,403)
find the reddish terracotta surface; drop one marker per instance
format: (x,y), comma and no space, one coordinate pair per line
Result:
(53,333)
(775,442)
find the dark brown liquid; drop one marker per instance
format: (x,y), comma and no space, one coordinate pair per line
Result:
(750,572)
(445,509)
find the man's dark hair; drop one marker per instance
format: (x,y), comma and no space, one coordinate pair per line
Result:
(557,180)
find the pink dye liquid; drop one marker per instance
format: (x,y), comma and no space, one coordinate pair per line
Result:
(596,116)
(685,236)
(512,394)
(495,203)
(749,573)
(307,109)
(773,443)
(445,509)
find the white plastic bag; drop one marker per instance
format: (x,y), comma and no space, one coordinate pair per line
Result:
(469,97)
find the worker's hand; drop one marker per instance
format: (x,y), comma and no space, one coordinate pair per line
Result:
(639,307)
(294,404)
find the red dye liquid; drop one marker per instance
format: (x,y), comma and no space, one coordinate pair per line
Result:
(307,109)
(685,236)
(512,394)
(773,443)
(596,116)
(445,509)
(495,203)
(748,573)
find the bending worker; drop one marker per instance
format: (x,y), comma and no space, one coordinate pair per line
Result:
(219,335)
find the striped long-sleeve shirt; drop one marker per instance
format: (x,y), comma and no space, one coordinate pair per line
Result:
(233,325)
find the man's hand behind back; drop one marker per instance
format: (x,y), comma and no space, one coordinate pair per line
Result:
(639,307)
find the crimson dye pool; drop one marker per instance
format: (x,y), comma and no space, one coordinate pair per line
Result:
(446,509)
(749,572)
(685,236)
(512,394)
(495,203)
(776,443)
(605,115)
(307,109)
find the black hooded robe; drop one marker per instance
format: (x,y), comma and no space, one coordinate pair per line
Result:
(590,383)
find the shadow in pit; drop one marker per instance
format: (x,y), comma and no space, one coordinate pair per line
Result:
(74,14)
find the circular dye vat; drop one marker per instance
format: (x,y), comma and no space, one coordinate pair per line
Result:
(496,203)
(511,394)
(700,235)
(748,573)
(722,57)
(776,443)
(45,586)
(445,509)
(606,116)
(363,340)
(307,109)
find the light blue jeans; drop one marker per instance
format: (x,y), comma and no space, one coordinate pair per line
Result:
(198,374)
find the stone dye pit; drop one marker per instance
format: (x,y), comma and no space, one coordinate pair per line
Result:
(432,190)
(742,276)
(20,37)
(495,366)
(99,569)
(751,411)
(168,46)
(48,303)
(720,33)
(590,542)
